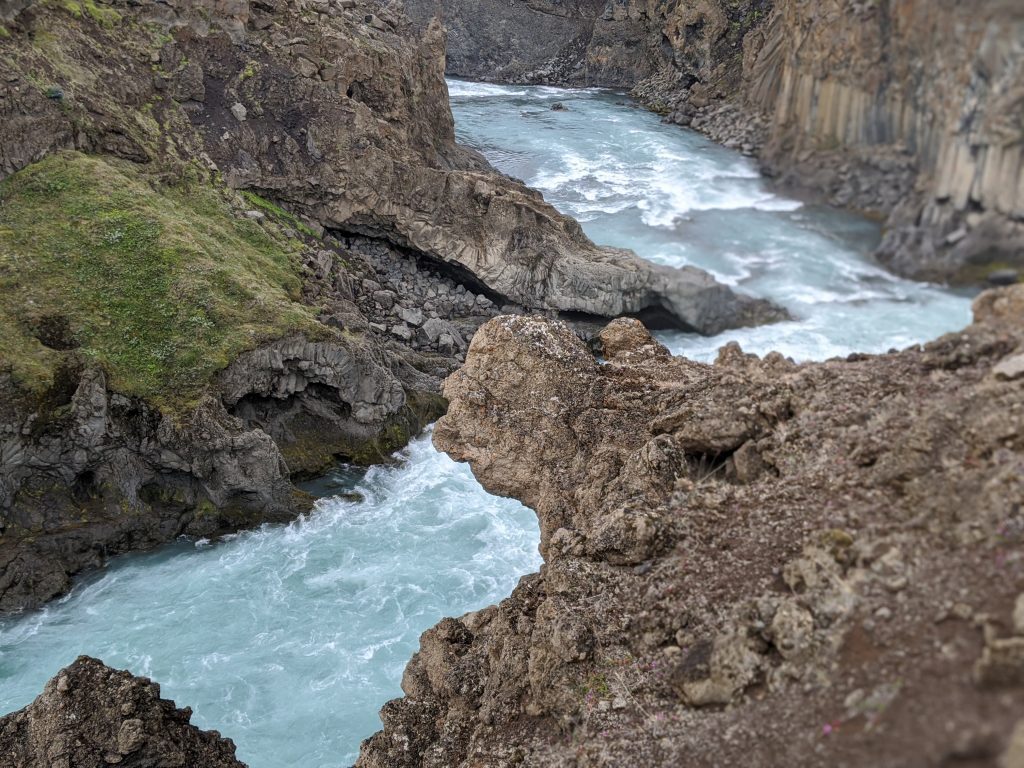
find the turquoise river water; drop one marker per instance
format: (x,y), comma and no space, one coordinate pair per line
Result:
(288,639)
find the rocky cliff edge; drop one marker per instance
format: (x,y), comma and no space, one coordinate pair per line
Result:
(753,562)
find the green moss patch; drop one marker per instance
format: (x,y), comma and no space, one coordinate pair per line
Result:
(101,14)
(163,285)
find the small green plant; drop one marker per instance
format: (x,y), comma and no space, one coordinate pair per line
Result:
(73,7)
(102,15)
(595,688)
(277,212)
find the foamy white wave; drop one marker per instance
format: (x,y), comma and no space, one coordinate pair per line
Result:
(462,89)
(550,91)
(671,199)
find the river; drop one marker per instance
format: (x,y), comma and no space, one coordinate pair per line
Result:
(288,639)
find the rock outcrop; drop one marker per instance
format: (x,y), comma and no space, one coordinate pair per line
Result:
(909,109)
(92,716)
(119,431)
(753,562)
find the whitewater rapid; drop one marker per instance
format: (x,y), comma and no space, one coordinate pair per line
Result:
(289,639)
(676,198)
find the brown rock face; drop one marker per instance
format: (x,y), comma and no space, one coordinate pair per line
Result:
(92,716)
(831,551)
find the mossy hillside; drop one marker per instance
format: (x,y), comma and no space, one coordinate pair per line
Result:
(161,284)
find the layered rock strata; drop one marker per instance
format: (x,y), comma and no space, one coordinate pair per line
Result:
(753,562)
(92,716)
(910,110)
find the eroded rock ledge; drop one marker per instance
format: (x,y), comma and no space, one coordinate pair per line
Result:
(338,110)
(92,716)
(752,562)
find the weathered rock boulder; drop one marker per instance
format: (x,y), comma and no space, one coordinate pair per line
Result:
(753,562)
(92,716)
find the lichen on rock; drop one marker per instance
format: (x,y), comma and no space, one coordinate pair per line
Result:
(90,716)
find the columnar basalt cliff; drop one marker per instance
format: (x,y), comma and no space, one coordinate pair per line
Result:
(238,240)
(910,109)
(752,562)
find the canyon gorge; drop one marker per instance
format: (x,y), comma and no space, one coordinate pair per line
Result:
(244,243)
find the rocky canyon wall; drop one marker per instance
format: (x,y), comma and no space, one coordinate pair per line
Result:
(930,91)
(908,109)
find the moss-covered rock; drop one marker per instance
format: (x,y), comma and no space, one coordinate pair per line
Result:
(161,284)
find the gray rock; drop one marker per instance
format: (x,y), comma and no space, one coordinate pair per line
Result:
(1003,277)
(402,332)
(1010,369)
(446,344)
(435,328)
(385,298)
(239,111)
(79,720)
(412,316)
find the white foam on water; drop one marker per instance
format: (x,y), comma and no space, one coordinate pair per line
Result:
(289,639)
(463,89)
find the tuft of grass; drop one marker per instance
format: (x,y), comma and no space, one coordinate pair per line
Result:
(101,14)
(162,285)
(277,212)
(72,6)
